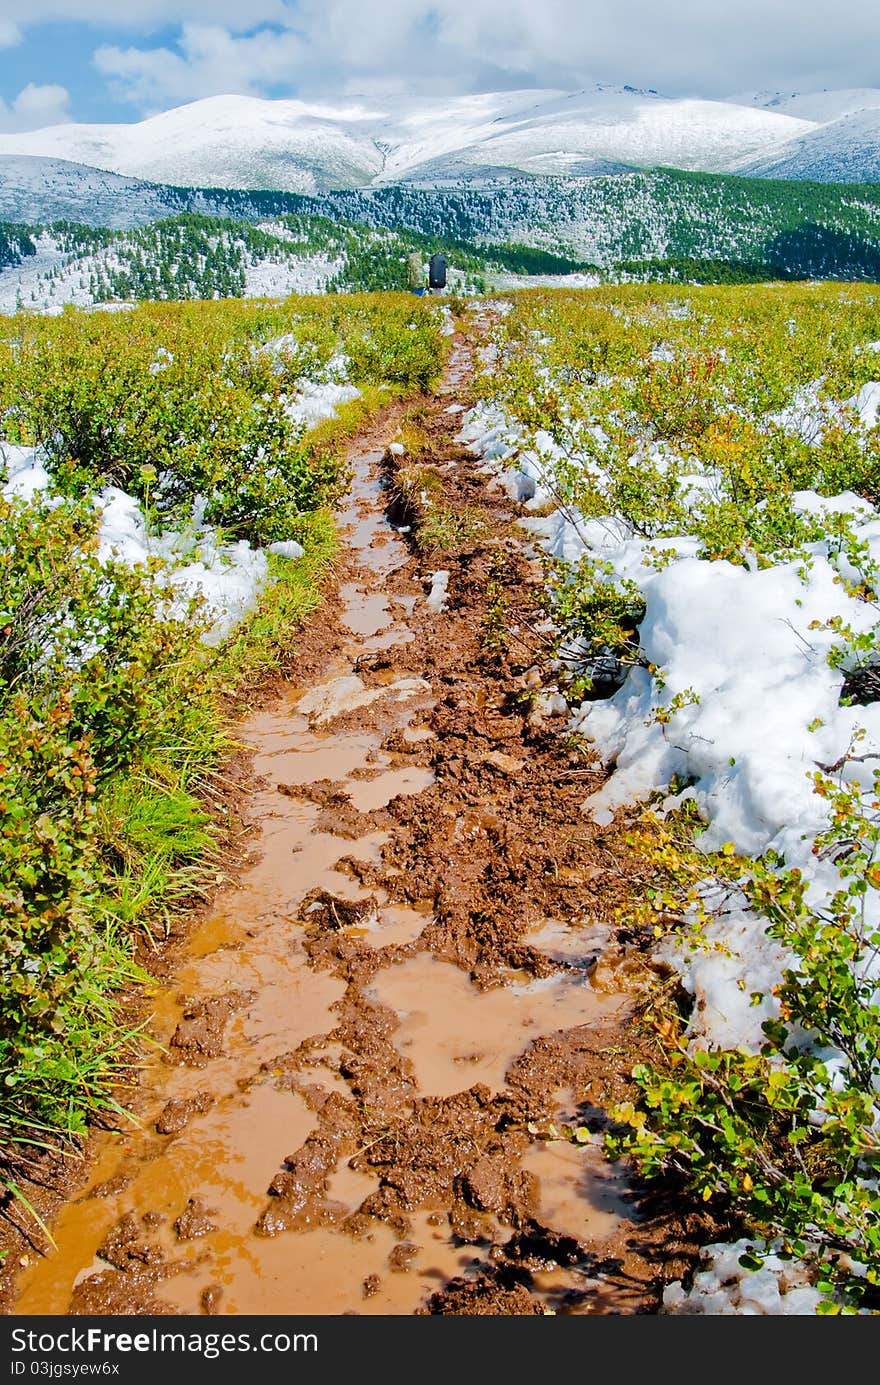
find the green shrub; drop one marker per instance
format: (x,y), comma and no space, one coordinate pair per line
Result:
(92,679)
(783,1143)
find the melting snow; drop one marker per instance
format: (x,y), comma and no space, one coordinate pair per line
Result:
(226,578)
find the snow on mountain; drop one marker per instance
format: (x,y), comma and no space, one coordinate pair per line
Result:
(844,151)
(223,141)
(38,190)
(127,175)
(640,129)
(245,142)
(819,106)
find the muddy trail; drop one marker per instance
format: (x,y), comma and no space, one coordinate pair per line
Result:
(373,1043)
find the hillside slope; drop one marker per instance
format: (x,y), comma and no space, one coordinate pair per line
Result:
(246,142)
(846,150)
(40,190)
(661,226)
(654,215)
(601,220)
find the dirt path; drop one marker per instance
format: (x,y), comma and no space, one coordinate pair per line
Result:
(373,1037)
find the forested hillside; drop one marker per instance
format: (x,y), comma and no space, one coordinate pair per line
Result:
(189,257)
(660,226)
(660,215)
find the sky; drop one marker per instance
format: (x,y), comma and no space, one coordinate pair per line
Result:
(112,60)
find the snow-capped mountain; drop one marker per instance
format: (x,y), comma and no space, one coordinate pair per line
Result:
(844,151)
(842,147)
(245,142)
(822,107)
(233,141)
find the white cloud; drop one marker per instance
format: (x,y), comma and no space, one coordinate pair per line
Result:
(210,62)
(682,46)
(10,34)
(711,46)
(34,107)
(315,47)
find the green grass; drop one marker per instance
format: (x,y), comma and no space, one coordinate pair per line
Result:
(449,531)
(264,643)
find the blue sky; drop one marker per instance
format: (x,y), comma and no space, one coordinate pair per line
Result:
(61,53)
(96,60)
(64,54)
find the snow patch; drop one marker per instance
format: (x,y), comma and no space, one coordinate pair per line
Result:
(436,598)
(724,1287)
(226,579)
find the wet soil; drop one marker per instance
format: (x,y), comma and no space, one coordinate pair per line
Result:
(374,1046)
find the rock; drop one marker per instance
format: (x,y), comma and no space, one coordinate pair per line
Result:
(210,1299)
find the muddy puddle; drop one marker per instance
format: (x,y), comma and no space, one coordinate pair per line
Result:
(373,1274)
(456,1035)
(287,1157)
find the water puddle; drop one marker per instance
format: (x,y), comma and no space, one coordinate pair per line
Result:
(369,794)
(349,1188)
(350,694)
(216,1159)
(326,1271)
(362,520)
(392,925)
(456,1035)
(287,751)
(364,613)
(582,1194)
(388,639)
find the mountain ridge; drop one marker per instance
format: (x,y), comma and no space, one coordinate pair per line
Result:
(347,142)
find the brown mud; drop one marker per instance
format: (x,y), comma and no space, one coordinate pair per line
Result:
(374,1046)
